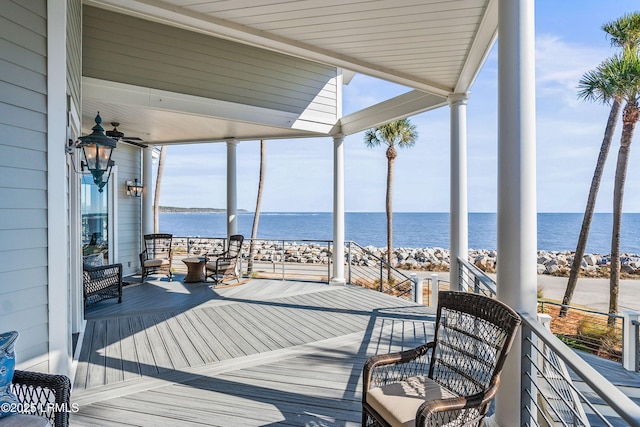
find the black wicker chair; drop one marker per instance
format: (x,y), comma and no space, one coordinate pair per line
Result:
(44,395)
(220,265)
(157,255)
(101,282)
(449,381)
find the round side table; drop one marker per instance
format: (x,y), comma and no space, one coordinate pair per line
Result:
(195,270)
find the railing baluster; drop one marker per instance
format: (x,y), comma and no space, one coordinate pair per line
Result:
(329,261)
(349,262)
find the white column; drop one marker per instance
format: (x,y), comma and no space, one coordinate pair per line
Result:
(232,189)
(459,228)
(517,223)
(147,191)
(57,183)
(338,211)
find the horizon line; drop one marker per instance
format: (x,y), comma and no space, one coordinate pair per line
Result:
(245,211)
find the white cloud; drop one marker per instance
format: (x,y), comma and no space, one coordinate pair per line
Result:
(560,65)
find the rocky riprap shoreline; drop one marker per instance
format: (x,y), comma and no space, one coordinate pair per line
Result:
(557,263)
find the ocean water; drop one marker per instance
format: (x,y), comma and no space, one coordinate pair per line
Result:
(556,231)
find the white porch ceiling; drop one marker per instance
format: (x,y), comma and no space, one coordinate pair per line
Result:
(433,46)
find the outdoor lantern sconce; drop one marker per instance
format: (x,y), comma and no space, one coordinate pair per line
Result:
(96,154)
(134,188)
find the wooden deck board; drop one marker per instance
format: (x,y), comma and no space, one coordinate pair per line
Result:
(271,337)
(227,336)
(299,349)
(161,356)
(267,352)
(96,359)
(130,366)
(113,354)
(83,358)
(144,354)
(207,332)
(202,350)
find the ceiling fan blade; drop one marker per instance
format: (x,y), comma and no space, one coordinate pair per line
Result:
(131,138)
(114,134)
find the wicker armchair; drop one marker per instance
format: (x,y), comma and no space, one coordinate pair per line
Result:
(220,265)
(157,255)
(101,282)
(44,395)
(449,381)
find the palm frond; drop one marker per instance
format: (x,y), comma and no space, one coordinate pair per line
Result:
(401,133)
(624,32)
(617,77)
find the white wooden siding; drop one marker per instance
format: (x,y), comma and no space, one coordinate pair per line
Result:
(23,183)
(130,50)
(128,159)
(74,50)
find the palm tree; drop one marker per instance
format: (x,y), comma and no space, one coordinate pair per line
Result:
(595,87)
(622,76)
(256,215)
(400,133)
(624,32)
(156,201)
(628,65)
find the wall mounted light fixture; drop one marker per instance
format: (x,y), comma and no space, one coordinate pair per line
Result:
(134,188)
(96,153)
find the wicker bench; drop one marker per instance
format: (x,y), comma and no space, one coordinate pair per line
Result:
(101,282)
(43,395)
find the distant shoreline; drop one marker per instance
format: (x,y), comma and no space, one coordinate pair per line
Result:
(173,209)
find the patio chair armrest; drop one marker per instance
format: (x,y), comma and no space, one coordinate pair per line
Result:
(143,256)
(429,409)
(383,369)
(38,391)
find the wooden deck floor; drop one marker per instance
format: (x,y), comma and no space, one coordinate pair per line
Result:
(262,353)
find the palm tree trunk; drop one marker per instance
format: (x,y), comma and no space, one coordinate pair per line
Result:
(629,120)
(156,197)
(391,155)
(256,215)
(591,202)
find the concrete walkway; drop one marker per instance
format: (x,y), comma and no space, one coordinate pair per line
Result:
(591,293)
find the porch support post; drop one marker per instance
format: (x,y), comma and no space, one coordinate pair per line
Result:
(459,227)
(338,211)
(147,191)
(59,328)
(232,189)
(517,222)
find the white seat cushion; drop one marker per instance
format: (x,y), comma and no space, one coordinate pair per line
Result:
(222,265)
(156,262)
(398,402)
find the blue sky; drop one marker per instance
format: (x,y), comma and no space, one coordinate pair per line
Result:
(569,42)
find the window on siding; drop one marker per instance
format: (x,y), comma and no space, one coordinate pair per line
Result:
(95,219)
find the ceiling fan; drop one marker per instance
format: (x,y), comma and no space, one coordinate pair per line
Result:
(115,133)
